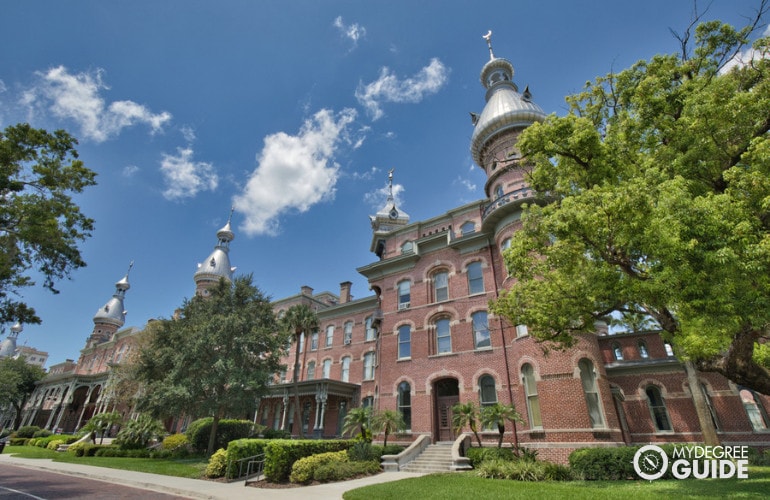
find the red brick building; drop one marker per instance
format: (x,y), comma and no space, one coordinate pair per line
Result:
(425,340)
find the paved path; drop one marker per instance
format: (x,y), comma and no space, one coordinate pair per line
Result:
(198,488)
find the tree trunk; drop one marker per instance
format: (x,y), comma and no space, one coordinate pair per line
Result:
(213,435)
(708,430)
(501,431)
(297,411)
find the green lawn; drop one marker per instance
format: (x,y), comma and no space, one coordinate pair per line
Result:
(189,468)
(464,486)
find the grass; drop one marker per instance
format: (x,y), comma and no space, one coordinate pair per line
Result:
(191,468)
(462,486)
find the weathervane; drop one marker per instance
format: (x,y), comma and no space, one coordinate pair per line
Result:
(488,38)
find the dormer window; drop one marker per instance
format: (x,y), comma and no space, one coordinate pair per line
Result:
(213,262)
(407,247)
(468,227)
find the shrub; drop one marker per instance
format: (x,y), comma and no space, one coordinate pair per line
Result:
(84,449)
(603,464)
(523,470)
(217,466)
(240,449)
(42,433)
(758,457)
(340,471)
(303,469)
(113,451)
(276,434)
(52,445)
(280,454)
(18,441)
(28,431)
(198,432)
(176,444)
(479,455)
(137,434)
(362,451)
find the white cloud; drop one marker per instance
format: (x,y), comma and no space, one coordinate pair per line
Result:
(294,172)
(745,57)
(467,183)
(388,88)
(184,177)
(353,31)
(377,198)
(77,97)
(130,171)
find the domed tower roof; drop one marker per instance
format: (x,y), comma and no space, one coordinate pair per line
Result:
(113,312)
(8,346)
(217,265)
(506,108)
(388,218)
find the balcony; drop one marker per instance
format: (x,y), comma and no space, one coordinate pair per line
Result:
(505,204)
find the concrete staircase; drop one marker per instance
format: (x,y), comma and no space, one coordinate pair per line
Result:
(436,458)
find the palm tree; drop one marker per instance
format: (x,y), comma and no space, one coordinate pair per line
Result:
(359,418)
(299,318)
(497,414)
(388,422)
(466,414)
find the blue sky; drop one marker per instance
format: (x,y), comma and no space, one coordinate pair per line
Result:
(291,111)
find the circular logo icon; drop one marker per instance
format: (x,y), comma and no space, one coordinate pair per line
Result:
(650,462)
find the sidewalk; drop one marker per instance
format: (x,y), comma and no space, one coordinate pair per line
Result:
(198,488)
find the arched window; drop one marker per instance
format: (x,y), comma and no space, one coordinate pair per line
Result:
(404,342)
(440,286)
(345,369)
(443,336)
(475,278)
(404,294)
(405,403)
(327,368)
(407,247)
(499,191)
(617,352)
(311,370)
(754,410)
(369,366)
(329,335)
(468,228)
(487,391)
(591,391)
(480,330)
(669,349)
(643,353)
(348,335)
(533,402)
(657,408)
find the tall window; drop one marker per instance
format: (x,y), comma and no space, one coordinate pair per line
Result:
(369,366)
(487,391)
(480,330)
(405,403)
(404,294)
(346,369)
(329,335)
(311,370)
(348,336)
(302,342)
(533,402)
(475,278)
(617,352)
(591,391)
(443,336)
(371,333)
(441,286)
(658,408)
(314,340)
(754,410)
(404,341)
(643,353)
(327,368)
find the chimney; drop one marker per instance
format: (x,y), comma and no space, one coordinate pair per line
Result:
(306,290)
(345,292)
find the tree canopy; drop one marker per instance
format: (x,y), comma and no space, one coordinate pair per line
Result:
(656,202)
(40,225)
(17,382)
(214,358)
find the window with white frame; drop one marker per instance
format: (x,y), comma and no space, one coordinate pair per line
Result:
(533,401)
(405,403)
(443,336)
(441,286)
(371,333)
(658,409)
(404,341)
(522,331)
(487,391)
(327,368)
(329,335)
(481,336)
(591,391)
(754,410)
(643,353)
(468,228)
(345,376)
(314,340)
(404,294)
(369,366)
(311,370)
(475,278)
(348,335)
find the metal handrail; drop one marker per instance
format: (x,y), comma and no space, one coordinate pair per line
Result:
(253,466)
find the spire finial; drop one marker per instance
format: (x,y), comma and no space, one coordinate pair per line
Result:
(390,182)
(130,265)
(488,38)
(230,218)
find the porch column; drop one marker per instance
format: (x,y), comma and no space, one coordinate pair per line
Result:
(285,409)
(321,396)
(85,404)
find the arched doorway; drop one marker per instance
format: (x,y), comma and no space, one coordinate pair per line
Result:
(447,394)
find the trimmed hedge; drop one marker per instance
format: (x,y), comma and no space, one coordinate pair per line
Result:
(28,431)
(603,464)
(303,470)
(280,454)
(340,471)
(44,442)
(479,455)
(227,430)
(84,449)
(242,448)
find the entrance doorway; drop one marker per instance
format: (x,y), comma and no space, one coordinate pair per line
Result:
(447,393)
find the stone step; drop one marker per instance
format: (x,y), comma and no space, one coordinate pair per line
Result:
(435,458)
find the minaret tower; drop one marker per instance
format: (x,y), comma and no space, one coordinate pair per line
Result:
(8,346)
(386,220)
(217,265)
(110,317)
(496,131)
